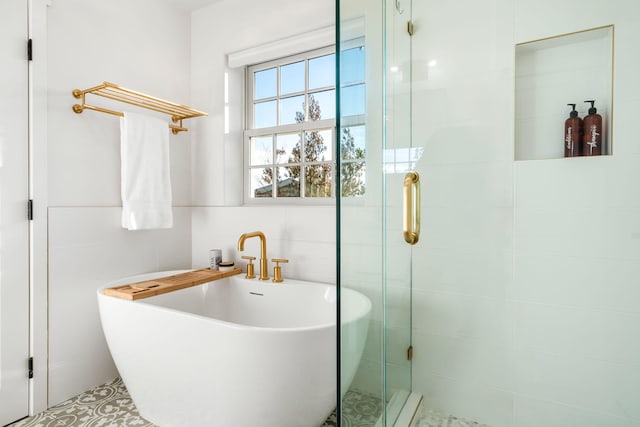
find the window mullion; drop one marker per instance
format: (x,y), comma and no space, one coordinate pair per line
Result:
(274,169)
(294,127)
(306,89)
(306,127)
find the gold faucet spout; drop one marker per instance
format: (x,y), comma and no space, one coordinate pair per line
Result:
(263,251)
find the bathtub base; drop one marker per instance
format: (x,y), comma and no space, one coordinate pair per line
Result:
(184,367)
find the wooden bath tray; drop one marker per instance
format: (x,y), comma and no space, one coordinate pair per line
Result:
(162,285)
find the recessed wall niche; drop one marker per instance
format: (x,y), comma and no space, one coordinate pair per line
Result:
(553,72)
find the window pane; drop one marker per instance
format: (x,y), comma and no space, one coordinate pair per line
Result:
(352,179)
(266,83)
(353,143)
(318,146)
(292,78)
(353,100)
(322,71)
(288,148)
(289,181)
(352,66)
(322,105)
(317,181)
(292,110)
(265,114)
(261,150)
(261,179)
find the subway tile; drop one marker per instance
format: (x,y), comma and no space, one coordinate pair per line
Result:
(368,378)
(398,340)
(486,230)
(398,379)
(568,184)
(311,255)
(466,399)
(579,333)
(578,381)
(460,315)
(313,261)
(531,412)
(487,184)
(97,252)
(588,283)
(459,270)
(560,231)
(487,360)
(398,301)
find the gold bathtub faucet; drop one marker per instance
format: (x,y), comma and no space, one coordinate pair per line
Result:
(263,251)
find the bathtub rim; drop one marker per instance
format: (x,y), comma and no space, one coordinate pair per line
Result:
(362,313)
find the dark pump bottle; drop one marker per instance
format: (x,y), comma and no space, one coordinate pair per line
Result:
(592,132)
(572,133)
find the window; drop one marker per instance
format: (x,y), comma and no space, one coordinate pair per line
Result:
(290,141)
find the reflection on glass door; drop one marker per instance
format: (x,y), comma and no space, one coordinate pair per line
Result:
(398,158)
(375,154)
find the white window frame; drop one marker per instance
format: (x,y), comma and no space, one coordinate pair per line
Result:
(305,126)
(317,125)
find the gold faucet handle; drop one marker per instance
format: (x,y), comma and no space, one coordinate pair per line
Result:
(277,270)
(250,270)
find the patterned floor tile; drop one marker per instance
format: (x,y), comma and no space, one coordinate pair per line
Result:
(360,409)
(431,418)
(109,405)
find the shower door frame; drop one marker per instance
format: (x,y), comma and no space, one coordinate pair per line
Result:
(390,43)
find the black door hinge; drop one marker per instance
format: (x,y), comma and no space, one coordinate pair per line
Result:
(410,353)
(31,367)
(30,50)
(30,210)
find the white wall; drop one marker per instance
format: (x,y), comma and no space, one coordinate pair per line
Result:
(142,45)
(306,238)
(147,46)
(217,175)
(518,320)
(575,297)
(525,299)
(303,234)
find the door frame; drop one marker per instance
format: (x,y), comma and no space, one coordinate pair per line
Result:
(38,192)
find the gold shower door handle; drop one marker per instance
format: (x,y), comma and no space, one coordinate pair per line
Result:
(411,214)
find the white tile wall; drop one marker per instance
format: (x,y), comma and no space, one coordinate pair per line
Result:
(87,250)
(119,47)
(304,235)
(546,333)
(217,176)
(531,412)
(142,45)
(471,398)
(525,307)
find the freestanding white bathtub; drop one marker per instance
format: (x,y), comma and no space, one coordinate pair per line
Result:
(234,352)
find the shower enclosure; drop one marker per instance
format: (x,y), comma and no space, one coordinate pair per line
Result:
(376,153)
(520,298)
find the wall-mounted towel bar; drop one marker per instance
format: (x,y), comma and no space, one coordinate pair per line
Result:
(112,91)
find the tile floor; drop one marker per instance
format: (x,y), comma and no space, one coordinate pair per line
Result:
(109,405)
(430,418)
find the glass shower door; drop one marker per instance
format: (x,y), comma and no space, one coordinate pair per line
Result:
(375,155)
(399,192)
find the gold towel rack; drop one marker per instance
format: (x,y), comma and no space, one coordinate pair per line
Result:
(112,91)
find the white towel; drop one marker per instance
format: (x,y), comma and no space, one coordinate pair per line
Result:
(146,180)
